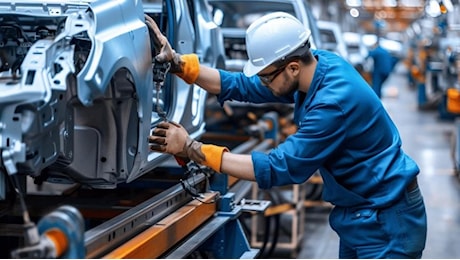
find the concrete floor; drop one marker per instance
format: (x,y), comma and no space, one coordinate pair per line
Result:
(427,139)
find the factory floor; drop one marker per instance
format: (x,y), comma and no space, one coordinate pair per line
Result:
(427,139)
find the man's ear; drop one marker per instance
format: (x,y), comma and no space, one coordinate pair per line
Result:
(294,68)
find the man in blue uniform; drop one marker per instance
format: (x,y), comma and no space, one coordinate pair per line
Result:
(383,65)
(343,130)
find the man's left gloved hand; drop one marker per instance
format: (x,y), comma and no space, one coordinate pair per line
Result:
(172,138)
(185,66)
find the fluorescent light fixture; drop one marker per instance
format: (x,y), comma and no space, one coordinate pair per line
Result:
(353,3)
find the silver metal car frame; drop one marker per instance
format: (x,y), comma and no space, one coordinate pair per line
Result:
(81,106)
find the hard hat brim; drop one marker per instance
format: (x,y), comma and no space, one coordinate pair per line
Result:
(250,70)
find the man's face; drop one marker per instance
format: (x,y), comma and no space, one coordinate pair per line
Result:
(279,80)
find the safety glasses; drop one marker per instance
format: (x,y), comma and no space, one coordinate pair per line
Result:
(270,77)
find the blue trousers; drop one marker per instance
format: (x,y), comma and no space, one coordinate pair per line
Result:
(398,231)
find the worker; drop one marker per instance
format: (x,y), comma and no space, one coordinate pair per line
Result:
(383,65)
(343,130)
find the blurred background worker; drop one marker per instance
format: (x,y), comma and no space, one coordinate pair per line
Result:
(343,130)
(383,65)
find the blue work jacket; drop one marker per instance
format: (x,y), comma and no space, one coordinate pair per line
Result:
(343,130)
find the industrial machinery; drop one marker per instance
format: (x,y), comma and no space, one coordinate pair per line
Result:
(79,97)
(235,16)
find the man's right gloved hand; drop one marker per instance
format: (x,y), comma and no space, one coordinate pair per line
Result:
(172,138)
(185,66)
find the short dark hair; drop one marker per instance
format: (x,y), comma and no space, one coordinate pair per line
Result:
(302,53)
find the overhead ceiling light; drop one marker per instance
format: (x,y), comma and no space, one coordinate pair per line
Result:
(448,4)
(433,9)
(354,12)
(417,28)
(353,3)
(411,3)
(390,3)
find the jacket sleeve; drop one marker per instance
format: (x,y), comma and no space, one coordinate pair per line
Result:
(236,86)
(320,132)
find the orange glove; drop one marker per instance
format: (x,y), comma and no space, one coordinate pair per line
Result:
(172,138)
(189,68)
(213,156)
(186,66)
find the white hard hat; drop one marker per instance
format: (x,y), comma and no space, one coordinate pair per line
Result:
(272,37)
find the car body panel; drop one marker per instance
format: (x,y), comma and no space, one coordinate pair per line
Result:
(78,98)
(332,38)
(357,51)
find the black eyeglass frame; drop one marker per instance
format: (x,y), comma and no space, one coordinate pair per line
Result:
(269,77)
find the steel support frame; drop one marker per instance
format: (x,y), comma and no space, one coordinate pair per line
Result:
(221,237)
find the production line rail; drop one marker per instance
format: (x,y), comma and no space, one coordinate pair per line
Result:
(172,213)
(176,224)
